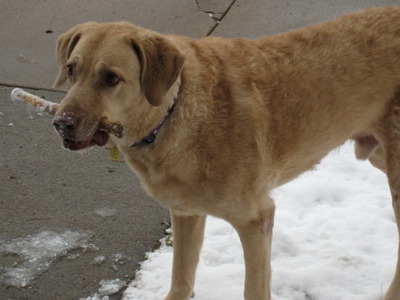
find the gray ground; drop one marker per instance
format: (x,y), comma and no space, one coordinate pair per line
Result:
(44,188)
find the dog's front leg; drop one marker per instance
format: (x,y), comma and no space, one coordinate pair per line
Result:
(187,233)
(256,238)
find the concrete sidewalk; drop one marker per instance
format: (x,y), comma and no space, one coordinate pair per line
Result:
(45,189)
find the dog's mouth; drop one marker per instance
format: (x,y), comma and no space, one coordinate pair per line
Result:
(99,138)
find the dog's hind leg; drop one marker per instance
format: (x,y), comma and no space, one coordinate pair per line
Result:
(187,233)
(256,238)
(393,173)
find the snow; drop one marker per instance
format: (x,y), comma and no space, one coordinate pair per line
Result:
(99,259)
(96,297)
(35,254)
(335,237)
(107,287)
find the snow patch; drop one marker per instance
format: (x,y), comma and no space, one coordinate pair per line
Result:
(107,287)
(34,254)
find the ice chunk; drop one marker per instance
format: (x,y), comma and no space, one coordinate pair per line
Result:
(109,287)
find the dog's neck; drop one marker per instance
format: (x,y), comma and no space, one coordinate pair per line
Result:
(171,97)
(151,137)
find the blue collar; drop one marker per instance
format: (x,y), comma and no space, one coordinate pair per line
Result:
(151,137)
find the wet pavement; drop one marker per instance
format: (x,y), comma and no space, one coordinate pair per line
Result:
(68,220)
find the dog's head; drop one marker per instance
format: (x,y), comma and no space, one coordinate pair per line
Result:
(114,70)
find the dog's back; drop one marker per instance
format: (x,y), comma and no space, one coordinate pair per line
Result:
(304,92)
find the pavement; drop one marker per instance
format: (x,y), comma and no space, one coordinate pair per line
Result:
(44,188)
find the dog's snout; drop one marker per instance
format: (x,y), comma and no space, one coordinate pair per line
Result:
(65,123)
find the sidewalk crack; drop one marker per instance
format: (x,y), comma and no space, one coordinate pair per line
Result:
(217,16)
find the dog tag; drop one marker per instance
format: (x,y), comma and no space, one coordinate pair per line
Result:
(114,153)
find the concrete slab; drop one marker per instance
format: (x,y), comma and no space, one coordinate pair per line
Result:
(255,18)
(30,29)
(44,188)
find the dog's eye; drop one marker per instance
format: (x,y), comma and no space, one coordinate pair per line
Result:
(70,70)
(111,78)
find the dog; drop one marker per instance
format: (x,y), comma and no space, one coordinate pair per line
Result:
(213,125)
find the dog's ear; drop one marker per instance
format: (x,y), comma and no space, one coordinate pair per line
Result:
(161,63)
(65,44)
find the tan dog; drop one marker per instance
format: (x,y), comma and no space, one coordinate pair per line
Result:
(213,125)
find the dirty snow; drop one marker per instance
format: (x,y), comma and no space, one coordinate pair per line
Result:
(334,238)
(99,259)
(107,287)
(34,254)
(96,297)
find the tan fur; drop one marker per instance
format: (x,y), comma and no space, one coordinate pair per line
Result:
(250,115)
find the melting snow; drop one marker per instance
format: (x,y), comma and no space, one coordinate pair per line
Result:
(34,254)
(99,259)
(96,297)
(107,287)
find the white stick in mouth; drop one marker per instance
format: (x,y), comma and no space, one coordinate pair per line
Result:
(41,105)
(33,102)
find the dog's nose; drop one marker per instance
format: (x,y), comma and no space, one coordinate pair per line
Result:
(65,123)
